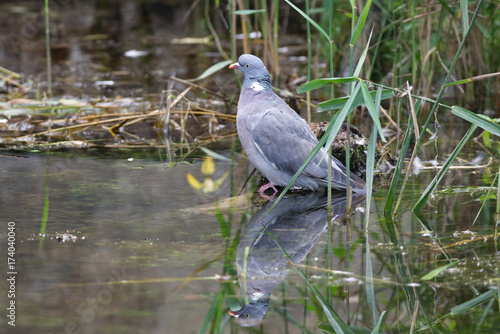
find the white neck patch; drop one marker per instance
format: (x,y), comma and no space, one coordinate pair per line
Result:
(256,87)
(257,295)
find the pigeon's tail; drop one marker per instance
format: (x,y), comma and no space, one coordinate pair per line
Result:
(339,179)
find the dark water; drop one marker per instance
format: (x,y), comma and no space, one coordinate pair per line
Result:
(90,40)
(130,247)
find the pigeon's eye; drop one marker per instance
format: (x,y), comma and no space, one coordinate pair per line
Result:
(247,315)
(247,65)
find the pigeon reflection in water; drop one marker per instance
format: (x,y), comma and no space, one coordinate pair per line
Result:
(296,222)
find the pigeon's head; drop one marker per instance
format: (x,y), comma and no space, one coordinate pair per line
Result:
(256,74)
(250,315)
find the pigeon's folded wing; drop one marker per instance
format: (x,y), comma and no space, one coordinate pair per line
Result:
(285,142)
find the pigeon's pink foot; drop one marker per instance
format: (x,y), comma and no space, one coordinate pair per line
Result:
(267,186)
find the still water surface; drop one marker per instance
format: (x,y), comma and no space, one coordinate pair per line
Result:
(130,247)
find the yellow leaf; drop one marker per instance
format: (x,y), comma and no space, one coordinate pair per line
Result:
(208,166)
(219,181)
(193,182)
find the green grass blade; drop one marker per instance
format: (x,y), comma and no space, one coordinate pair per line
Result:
(211,313)
(486,312)
(370,161)
(45,213)
(318,83)
(339,102)
(485,198)
(225,229)
(311,21)
(244,274)
(458,82)
(482,121)
(400,163)
(370,291)
(464,7)
(361,23)
(437,271)
(470,304)
(333,318)
(47,48)
(371,108)
(484,30)
(379,322)
(430,188)
(362,57)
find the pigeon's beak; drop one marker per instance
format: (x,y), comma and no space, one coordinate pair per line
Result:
(235,65)
(234,314)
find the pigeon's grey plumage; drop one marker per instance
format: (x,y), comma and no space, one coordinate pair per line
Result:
(296,223)
(276,139)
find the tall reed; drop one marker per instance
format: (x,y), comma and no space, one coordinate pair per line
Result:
(47,48)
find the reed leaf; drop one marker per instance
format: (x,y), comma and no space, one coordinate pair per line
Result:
(212,312)
(485,198)
(338,325)
(370,291)
(225,228)
(470,304)
(339,102)
(370,161)
(362,58)
(371,108)
(376,330)
(361,22)
(45,212)
(430,188)
(437,271)
(318,83)
(47,48)
(482,121)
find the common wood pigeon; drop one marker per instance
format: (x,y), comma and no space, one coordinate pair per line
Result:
(276,139)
